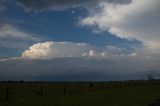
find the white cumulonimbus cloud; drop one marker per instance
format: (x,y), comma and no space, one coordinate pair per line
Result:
(138,19)
(49,50)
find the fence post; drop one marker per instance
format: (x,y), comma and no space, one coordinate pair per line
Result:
(7,93)
(80,88)
(65,89)
(41,90)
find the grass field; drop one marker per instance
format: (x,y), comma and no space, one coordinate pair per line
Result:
(135,93)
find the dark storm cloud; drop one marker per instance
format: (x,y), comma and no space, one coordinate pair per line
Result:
(41,5)
(74,69)
(2,6)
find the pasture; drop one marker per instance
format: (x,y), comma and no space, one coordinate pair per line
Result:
(127,93)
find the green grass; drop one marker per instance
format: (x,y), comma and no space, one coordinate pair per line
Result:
(79,94)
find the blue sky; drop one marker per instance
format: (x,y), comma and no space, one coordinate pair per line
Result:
(58,26)
(105,32)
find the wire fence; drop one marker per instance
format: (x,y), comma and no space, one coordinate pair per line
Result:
(10,91)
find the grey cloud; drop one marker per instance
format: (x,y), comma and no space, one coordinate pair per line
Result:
(117,66)
(10,33)
(41,5)
(2,6)
(62,69)
(137,20)
(114,68)
(13,40)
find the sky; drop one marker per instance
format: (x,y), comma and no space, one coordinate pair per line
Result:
(79,40)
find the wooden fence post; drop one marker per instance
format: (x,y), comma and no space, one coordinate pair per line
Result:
(7,93)
(41,90)
(80,88)
(65,89)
